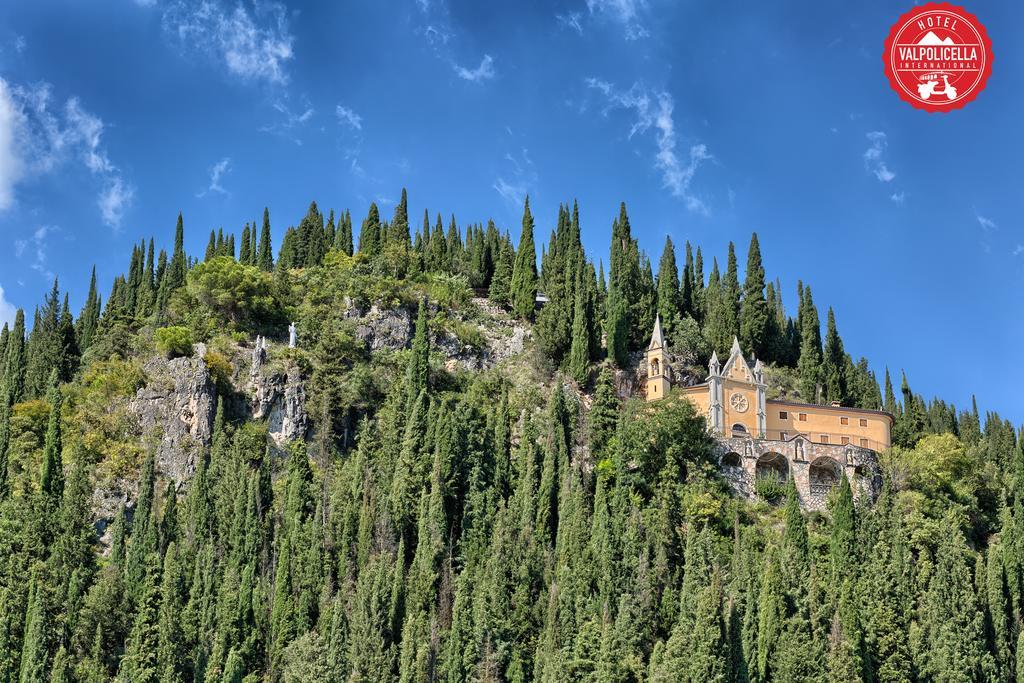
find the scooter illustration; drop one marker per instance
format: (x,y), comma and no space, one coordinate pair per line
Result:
(926,90)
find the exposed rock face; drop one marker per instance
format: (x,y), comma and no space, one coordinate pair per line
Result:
(390,329)
(278,398)
(176,407)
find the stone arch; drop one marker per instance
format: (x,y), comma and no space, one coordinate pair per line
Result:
(774,465)
(732,459)
(824,475)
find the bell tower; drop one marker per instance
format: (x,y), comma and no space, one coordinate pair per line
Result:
(658,383)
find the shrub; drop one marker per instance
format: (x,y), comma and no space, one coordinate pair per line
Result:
(220,369)
(769,488)
(174,341)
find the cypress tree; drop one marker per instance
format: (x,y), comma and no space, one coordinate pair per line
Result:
(244,254)
(89,318)
(809,365)
(35,651)
(265,252)
(140,663)
(670,300)
(523,287)
(755,315)
(500,291)
(178,266)
(833,367)
(579,352)
(51,481)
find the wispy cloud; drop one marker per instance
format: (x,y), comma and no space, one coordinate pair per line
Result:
(36,138)
(7,310)
(217,172)
(874,156)
(482,73)
(987,224)
(521,175)
(290,120)
(253,44)
(12,167)
(33,250)
(348,117)
(898,197)
(624,12)
(114,200)
(572,20)
(20,44)
(654,109)
(1017,251)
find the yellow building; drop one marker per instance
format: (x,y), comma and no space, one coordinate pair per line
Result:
(811,443)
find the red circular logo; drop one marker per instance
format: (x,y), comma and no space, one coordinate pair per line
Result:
(938,57)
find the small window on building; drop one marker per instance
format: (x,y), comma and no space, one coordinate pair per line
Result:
(864,443)
(863,422)
(784,436)
(783,415)
(824,438)
(844,440)
(803,417)
(844,420)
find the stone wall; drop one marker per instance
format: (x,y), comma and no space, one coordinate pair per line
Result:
(816,468)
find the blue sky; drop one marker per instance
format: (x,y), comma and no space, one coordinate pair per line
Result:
(709,119)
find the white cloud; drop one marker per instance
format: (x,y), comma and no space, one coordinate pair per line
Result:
(114,200)
(20,44)
(572,20)
(348,117)
(514,192)
(36,246)
(625,12)
(654,109)
(898,197)
(11,166)
(254,45)
(482,73)
(514,186)
(987,224)
(874,159)
(36,138)
(1017,251)
(217,171)
(291,120)
(7,310)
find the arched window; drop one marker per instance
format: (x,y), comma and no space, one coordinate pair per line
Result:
(655,368)
(739,430)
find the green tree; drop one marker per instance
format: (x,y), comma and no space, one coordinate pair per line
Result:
(523,287)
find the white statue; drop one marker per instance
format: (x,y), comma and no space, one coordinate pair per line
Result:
(291,336)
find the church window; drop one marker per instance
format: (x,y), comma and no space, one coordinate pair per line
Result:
(783,415)
(863,422)
(844,420)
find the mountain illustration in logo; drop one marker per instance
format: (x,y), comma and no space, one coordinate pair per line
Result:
(931,39)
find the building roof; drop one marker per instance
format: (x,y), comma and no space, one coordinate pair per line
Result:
(657,338)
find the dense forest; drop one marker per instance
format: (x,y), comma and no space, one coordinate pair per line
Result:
(523,521)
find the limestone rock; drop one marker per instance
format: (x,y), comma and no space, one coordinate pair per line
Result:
(176,408)
(280,399)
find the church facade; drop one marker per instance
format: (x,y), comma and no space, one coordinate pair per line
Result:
(761,438)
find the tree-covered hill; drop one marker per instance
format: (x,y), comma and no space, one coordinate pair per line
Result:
(456,483)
